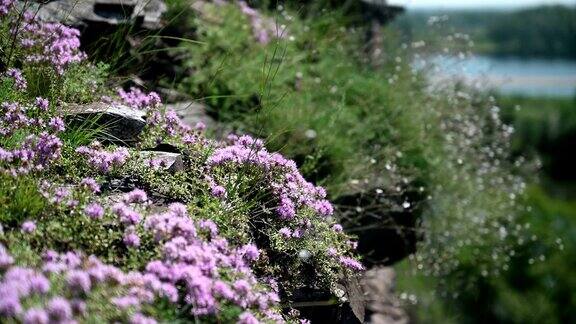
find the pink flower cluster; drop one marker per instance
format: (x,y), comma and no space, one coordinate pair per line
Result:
(90,184)
(61,196)
(28,227)
(350,263)
(29,296)
(16,117)
(137,99)
(196,258)
(168,124)
(19,79)
(101,159)
(36,151)
(5,6)
(197,268)
(162,124)
(53,44)
(35,154)
(291,189)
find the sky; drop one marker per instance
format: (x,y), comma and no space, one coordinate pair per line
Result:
(461,4)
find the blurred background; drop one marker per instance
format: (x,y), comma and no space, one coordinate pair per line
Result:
(524,53)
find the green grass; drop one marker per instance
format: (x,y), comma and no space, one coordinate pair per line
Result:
(20,200)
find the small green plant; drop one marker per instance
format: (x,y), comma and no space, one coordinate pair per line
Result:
(20,200)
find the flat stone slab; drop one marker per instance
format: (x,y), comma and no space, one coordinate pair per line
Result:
(120,124)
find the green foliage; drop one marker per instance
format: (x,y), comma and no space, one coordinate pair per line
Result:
(20,200)
(315,97)
(541,31)
(310,99)
(84,83)
(537,285)
(539,121)
(545,127)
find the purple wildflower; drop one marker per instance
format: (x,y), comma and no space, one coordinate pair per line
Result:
(90,184)
(286,232)
(125,302)
(5,258)
(104,160)
(323,207)
(59,309)
(5,6)
(247,318)
(42,103)
(127,215)
(136,196)
(250,252)
(94,211)
(53,44)
(35,316)
(78,281)
(292,190)
(218,191)
(350,263)
(10,306)
(286,209)
(56,124)
(137,99)
(131,239)
(39,284)
(138,318)
(28,227)
(19,80)
(337,228)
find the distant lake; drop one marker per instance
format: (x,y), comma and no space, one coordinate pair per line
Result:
(531,77)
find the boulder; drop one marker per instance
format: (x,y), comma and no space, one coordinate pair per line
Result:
(114,123)
(383,307)
(144,13)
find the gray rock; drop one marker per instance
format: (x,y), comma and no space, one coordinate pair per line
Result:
(115,123)
(356,296)
(170,161)
(145,13)
(378,285)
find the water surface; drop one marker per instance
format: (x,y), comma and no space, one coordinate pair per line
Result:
(530,77)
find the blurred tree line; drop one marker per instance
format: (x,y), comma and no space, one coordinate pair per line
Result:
(544,31)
